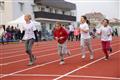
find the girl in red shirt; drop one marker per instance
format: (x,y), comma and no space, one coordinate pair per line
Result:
(61,36)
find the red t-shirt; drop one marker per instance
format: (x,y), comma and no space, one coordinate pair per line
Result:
(61,33)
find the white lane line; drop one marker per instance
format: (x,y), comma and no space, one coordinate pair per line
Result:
(39,57)
(44,47)
(81,67)
(94,77)
(25,54)
(24,49)
(35,51)
(43,64)
(72,76)
(13,48)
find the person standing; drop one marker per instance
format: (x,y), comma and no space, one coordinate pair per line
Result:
(71,32)
(76,33)
(85,37)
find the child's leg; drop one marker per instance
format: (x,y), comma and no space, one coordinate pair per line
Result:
(104,46)
(88,43)
(109,46)
(83,48)
(77,38)
(60,52)
(31,42)
(28,46)
(65,49)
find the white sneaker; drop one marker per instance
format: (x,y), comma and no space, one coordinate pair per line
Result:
(30,63)
(62,62)
(105,59)
(91,57)
(83,56)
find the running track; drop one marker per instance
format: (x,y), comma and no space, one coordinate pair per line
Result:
(13,61)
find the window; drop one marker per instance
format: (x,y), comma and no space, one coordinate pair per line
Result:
(56,11)
(51,10)
(2,5)
(50,27)
(42,9)
(63,12)
(43,26)
(33,7)
(21,6)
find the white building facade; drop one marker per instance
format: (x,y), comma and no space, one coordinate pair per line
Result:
(47,12)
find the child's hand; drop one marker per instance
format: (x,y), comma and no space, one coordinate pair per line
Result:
(20,41)
(56,38)
(108,34)
(61,37)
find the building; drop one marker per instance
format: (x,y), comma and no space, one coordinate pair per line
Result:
(95,17)
(47,12)
(12,9)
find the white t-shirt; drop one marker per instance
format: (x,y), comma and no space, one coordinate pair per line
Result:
(29,31)
(85,35)
(105,31)
(71,28)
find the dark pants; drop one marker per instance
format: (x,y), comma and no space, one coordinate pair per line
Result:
(28,46)
(71,35)
(2,39)
(77,38)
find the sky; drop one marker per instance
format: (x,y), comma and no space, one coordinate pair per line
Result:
(110,8)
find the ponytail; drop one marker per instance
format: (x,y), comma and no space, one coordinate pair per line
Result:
(87,21)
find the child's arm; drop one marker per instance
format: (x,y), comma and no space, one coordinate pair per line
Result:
(85,30)
(22,36)
(56,38)
(99,32)
(65,35)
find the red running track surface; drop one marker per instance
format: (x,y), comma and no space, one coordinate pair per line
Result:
(13,62)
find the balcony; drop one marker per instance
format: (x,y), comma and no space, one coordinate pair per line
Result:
(61,4)
(41,14)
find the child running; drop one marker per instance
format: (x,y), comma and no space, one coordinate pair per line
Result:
(85,37)
(105,32)
(61,36)
(29,35)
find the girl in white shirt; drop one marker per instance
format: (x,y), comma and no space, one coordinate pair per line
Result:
(85,37)
(29,35)
(105,32)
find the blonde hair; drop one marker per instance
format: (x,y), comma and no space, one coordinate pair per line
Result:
(29,16)
(58,23)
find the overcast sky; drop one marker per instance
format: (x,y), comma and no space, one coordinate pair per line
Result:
(110,8)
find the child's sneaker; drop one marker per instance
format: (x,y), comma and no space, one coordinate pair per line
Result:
(91,57)
(110,50)
(30,63)
(83,56)
(62,62)
(34,58)
(105,59)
